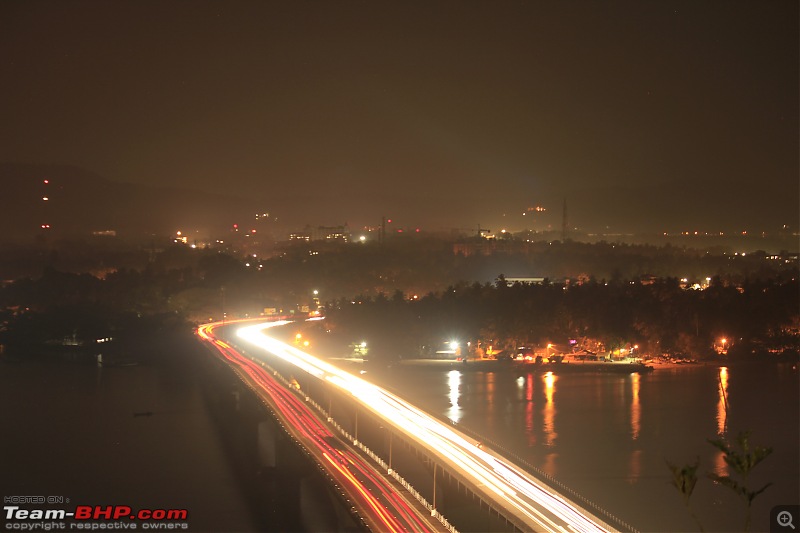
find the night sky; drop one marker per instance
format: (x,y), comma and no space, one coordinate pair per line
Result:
(642,115)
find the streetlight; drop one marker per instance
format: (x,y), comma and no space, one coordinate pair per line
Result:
(315,298)
(223,304)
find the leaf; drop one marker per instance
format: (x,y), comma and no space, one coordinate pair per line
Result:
(752,495)
(729,482)
(744,460)
(720,444)
(684,479)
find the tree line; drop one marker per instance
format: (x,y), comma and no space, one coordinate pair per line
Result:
(433,293)
(659,317)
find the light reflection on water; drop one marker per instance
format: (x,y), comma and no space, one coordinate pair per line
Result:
(720,466)
(549,466)
(490,377)
(722,405)
(635,467)
(454,382)
(530,429)
(548,424)
(608,435)
(636,408)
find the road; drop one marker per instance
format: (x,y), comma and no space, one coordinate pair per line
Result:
(378,501)
(526,501)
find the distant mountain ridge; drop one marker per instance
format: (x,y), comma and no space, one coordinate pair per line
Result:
(81,202)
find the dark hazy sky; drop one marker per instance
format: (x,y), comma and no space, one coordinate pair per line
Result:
(640,114)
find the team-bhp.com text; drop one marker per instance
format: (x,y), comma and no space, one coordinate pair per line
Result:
(97,517)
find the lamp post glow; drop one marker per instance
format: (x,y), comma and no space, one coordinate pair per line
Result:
(315,299)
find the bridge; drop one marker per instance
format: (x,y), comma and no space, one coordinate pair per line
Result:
(447,472)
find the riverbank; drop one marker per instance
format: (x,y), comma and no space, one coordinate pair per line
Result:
(566,367)
(495,364)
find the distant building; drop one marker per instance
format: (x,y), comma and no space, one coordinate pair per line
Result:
(784,257)
(524,281)
(331,233)
(322,233)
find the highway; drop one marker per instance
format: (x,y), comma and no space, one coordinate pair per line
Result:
(527,502)
(377,501)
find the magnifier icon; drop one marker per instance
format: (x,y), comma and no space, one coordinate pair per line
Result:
(784,519)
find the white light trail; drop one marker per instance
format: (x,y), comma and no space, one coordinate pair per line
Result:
(506,485)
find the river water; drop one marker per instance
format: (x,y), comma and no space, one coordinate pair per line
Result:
(608,436)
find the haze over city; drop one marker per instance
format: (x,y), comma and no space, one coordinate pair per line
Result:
(656,116)
(426,266)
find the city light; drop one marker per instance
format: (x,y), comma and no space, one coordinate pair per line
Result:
(316,121)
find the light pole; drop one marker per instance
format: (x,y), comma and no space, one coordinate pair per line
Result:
(389,432)
(434,485)
(390,450)
(315,299)
(356,426)
(223,305)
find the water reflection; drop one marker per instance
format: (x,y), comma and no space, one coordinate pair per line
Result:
(454,382)
(594,451)
(525,388)
(529,388)
(549,466)
(529,429)
(720,466)
(636,408)
(635,466)
(548,424)
(722,404)
(490,387)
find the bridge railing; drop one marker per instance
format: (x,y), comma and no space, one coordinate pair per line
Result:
(372,455)
(605,514)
